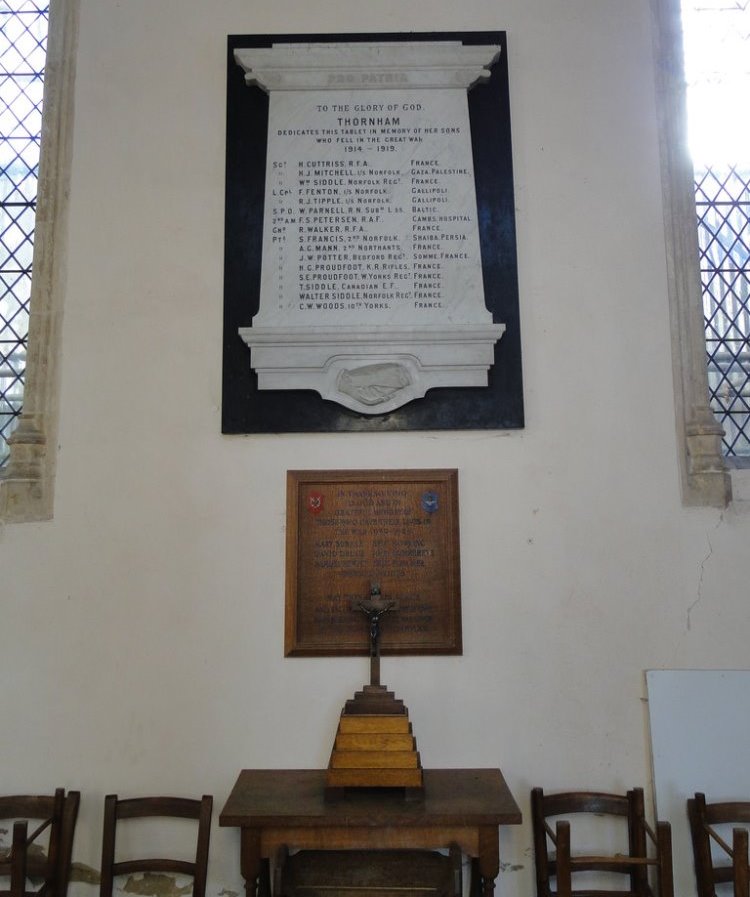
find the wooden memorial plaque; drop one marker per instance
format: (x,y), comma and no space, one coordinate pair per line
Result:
(350,529)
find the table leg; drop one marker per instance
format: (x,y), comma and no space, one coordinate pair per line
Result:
(489,858)
(264,879)
(475,882)
(251,866)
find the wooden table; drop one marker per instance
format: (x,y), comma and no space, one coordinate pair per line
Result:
(287,807)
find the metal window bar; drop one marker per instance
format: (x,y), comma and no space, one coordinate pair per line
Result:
(23,49)
(722,197)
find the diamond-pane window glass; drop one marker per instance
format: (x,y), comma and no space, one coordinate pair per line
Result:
(716,36)
(23,47)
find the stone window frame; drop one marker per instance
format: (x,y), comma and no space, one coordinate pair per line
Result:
(705,476)
(28,478)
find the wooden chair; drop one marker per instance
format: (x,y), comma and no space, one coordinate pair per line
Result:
(31,856)
(634,861)
(359,873)
(723,863)
(116,810)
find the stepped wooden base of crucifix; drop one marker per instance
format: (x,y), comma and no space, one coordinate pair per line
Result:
(374,746)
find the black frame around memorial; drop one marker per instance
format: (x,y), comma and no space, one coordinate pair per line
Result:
(245,408)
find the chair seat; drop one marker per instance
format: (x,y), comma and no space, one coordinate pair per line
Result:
(355,873)
(36,862)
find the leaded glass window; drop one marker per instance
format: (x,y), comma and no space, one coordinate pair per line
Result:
(23,40)
(717,66)
(723,205)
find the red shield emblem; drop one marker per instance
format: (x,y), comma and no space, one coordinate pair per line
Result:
(315,502)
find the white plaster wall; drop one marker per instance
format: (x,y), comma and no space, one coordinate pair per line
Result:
(141,631)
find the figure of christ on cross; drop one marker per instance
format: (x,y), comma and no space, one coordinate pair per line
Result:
(374,608)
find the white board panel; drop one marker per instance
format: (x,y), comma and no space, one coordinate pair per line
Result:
(700,740)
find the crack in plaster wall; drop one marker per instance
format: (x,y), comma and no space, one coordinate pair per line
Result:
(702,570)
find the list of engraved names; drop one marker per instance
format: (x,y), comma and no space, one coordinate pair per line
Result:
(370,209)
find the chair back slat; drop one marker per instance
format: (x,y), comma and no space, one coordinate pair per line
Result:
(727,811)
(402,872)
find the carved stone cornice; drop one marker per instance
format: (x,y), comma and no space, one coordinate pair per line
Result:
(367,66)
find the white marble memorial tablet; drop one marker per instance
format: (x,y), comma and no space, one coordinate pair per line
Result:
(371,281)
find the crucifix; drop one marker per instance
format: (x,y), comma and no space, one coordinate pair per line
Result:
(374,608)
(374,746)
